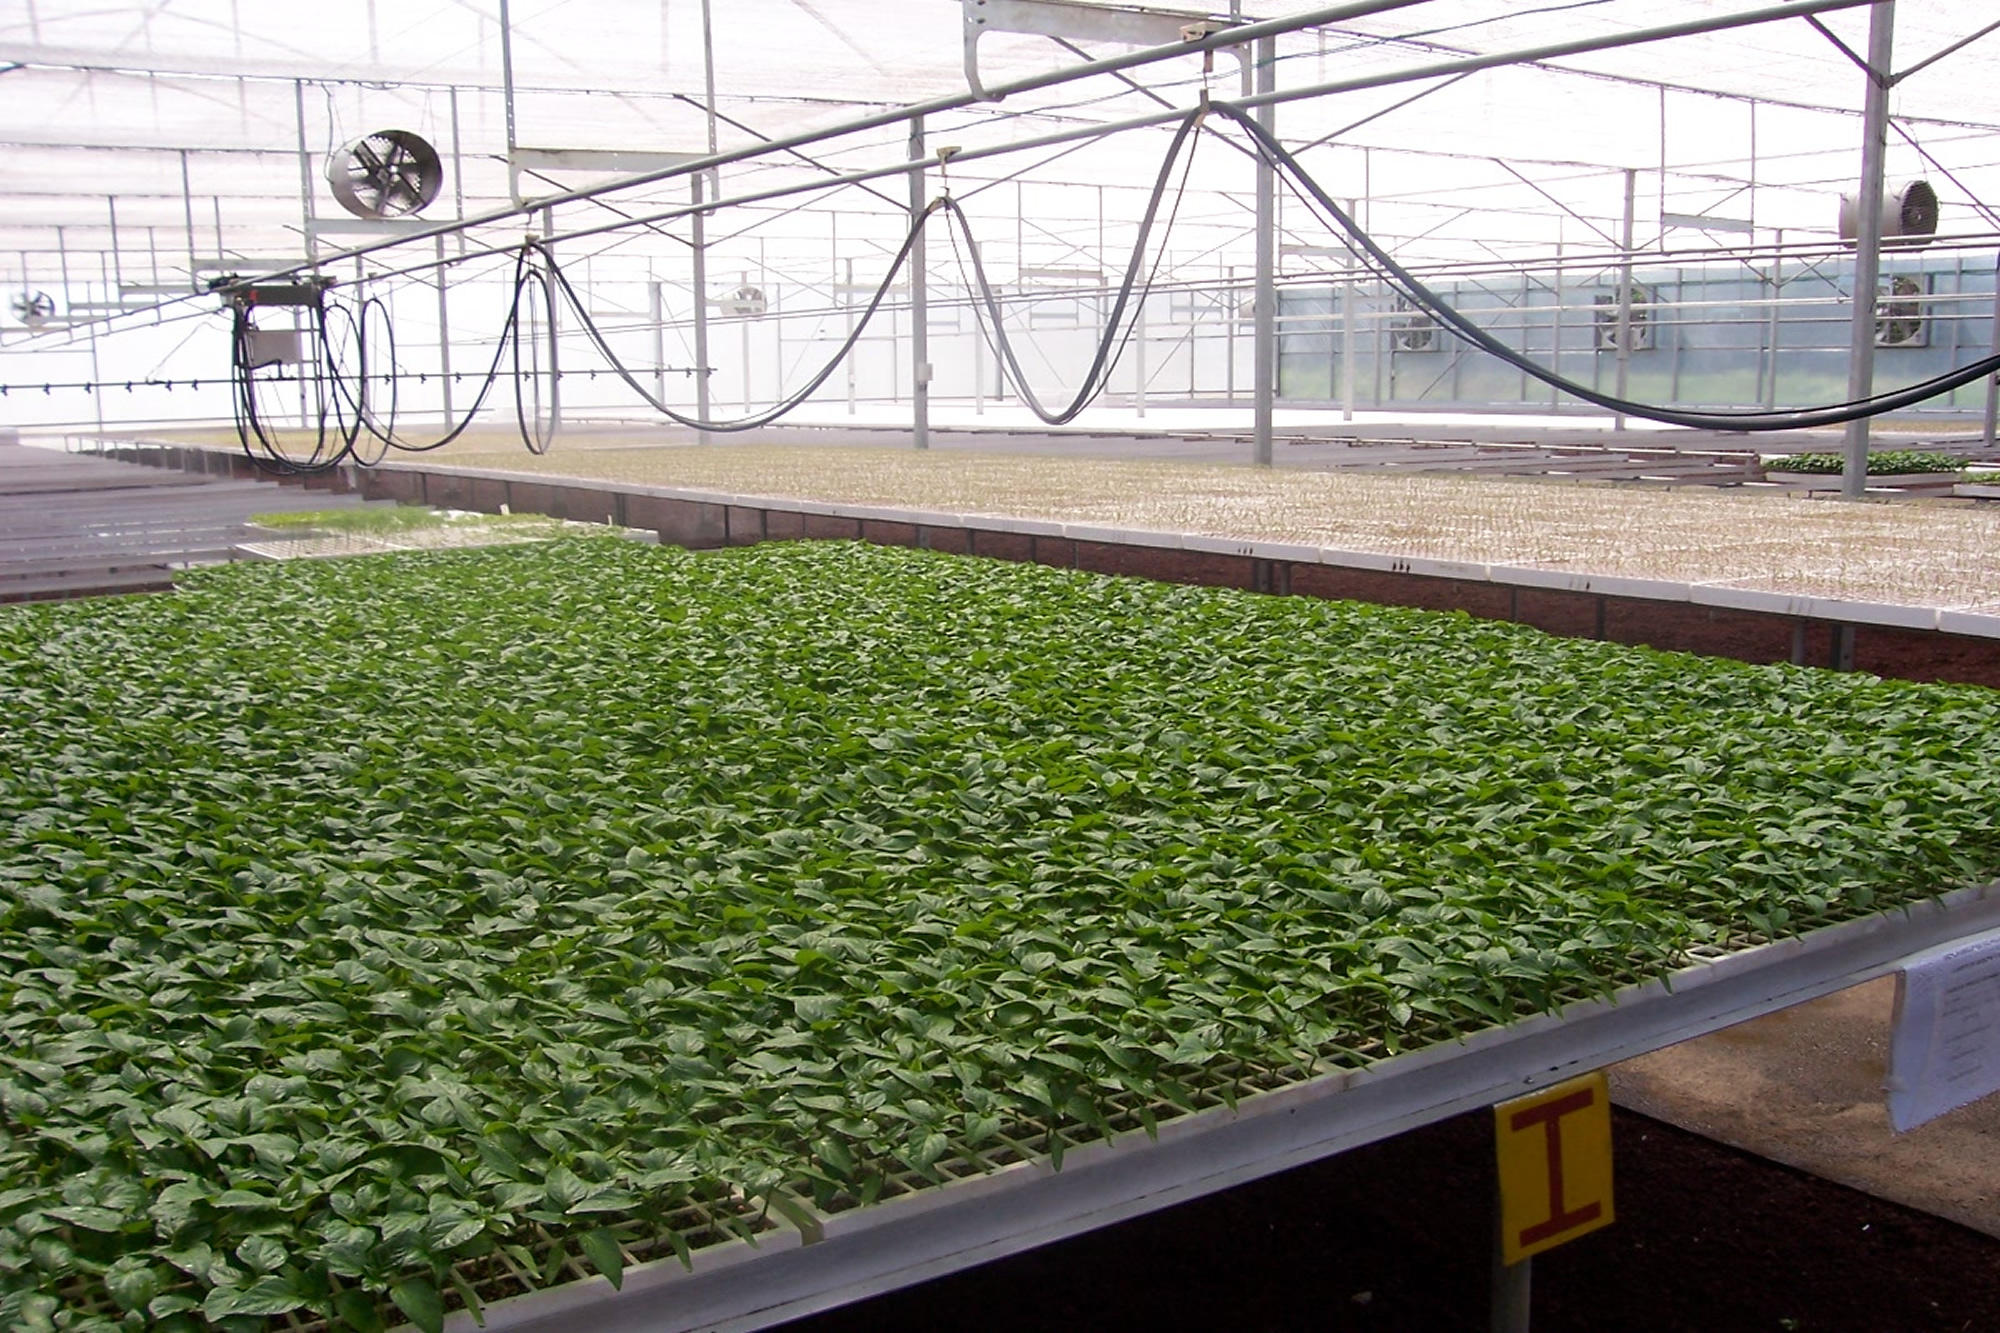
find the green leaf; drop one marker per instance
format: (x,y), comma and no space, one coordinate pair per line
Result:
(601,1248)
(418,1298)
(268,1295)
(88,1217)
(133,1283)
(261,1254)
(357,1311)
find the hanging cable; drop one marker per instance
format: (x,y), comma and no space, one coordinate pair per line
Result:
(1117,334)
(1385,266)
(1118,330)
(766,417)
(350,410)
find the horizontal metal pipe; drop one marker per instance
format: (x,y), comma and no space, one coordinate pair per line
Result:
(1765,15)
(1556,50)
(1230,37)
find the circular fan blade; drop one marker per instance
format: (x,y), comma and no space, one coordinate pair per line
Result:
(387,174)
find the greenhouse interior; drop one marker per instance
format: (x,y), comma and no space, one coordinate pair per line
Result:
(837,664)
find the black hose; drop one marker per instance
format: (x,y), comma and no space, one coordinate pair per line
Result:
(1441,310)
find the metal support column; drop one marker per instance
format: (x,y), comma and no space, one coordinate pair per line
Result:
(1139,355)
(555,346)
(847,304)
(701,366)
(1775,331)
(305,178)
(708,75)
(1512,1305)
(656,311)
(1350,290)
(507,77)
(1264,344)
(702,369)
(1993,381)
(96,368)
(978,361)
(1868,242)
(920,365)
(1625,239)
(187,209)
(117,264)
(444,337)
(457,168)
(1555,318)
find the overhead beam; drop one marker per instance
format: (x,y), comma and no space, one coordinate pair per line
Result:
(1636,37)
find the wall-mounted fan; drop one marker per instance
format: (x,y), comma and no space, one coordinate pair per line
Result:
(746,301)
(1638,320)
(34,308)
(1899,312)
(1909,215)
(1412,330)
(387,174)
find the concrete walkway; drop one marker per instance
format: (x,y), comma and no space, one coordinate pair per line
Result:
(1804,1087)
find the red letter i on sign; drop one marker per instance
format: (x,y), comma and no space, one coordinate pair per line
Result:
(1555,1165)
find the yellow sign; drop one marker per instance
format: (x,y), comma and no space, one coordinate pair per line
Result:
(1555,1165)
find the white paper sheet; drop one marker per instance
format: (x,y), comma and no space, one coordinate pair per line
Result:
(1944,1050)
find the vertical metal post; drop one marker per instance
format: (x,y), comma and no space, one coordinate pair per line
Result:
(708,72)
(1777,328)
(1264,346)
(1556,316)
(96,372)
(507,76)
(457,169)
(1139,356)
(444,337)
(1349,291)
(656,310)
(1625,293)
(1513,1284)
(1231,318)
(701,367)
(978,359)
(62,270)
(743,343)
(702,371)
(920,355)
(1993,381)
(117,266)
(1868,242)
(847,303)
(187,209)
(305,177)
(555,346)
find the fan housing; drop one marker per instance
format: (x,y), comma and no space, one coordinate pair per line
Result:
(34,308)
(1909,215)
(387,174)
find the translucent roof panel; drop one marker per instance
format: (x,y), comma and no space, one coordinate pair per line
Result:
(188,137)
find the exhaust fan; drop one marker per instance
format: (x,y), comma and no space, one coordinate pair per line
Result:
(1909,215)
(1638,320)
(747,301)
(1899,312)
(387,174)
(34,308)
(1412,330)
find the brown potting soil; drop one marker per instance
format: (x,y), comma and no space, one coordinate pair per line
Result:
(1395,1238)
